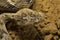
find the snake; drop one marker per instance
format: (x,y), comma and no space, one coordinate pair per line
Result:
(23,21)
(14,5)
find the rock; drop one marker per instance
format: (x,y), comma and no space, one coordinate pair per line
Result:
(49,29)
(51,25)
(22,24)
(48,37)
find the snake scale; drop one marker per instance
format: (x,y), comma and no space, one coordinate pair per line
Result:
(14,5)
(22,23)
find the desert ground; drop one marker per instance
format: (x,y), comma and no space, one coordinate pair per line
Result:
(46,29)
